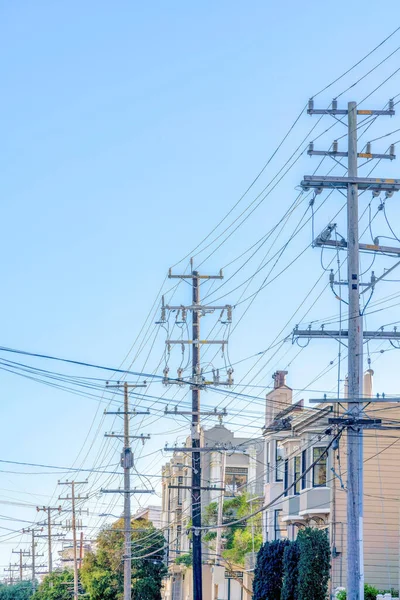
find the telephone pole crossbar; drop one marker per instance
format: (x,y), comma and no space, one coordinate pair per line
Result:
(354,334)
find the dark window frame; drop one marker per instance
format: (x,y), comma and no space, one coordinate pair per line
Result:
(296,474)
(318,461)
(303,469)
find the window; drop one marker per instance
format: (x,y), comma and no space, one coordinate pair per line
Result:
(286,480)
(178,537)
(319,468)
(296,474)
(280,530)
(279,462)
(268,461)
(235,480)
(180,491)
(303,469)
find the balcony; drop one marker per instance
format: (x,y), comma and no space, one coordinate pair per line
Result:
(314,502)
(290,507)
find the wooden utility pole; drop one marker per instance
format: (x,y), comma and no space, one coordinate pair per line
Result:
(127,464)
(197,382)
(353,419)
(34,532)
(73,499)
(21,553)
(48,510)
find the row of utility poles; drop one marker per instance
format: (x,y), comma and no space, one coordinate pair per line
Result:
(36,533)
(74,524)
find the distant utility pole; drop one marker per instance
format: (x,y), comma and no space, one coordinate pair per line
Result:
(355,336)
(21,553)
(197,382)
(74,526)
(127,463)
(48,510)
(11,570)
(34,533)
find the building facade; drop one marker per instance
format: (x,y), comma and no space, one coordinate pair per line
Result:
(238,470)
(307,487)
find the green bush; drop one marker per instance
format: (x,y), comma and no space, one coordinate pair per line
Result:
(268,574)
(290,572)
(184,559)
(370,593)
(314,564)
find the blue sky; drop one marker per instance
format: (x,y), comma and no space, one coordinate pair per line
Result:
(129,130)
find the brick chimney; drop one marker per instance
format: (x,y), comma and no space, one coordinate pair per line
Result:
(279,378)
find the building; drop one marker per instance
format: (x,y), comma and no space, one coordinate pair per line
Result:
(237,470)
(305,487)
(149,513)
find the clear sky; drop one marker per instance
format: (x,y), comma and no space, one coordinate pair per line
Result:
(129,130)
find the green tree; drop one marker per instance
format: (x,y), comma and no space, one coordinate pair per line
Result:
(22,590)
(102,572)
(268,574)
(56,586)
(314,564)
(290,572)
(240,538)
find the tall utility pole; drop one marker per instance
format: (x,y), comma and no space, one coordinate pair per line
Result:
(48,510)
(73,499)
(21,553)
(353,421)
(197,382)
(127,464)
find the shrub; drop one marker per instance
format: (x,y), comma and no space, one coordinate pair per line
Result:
(370,593)
(290,572)
(314,564)
(268,573)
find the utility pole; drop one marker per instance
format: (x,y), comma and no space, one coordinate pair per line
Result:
(127,463)
(220,512)
(11,570)
(48,510)
(34,532)
(197,382)
(73,499)
(355,336)
(21,553)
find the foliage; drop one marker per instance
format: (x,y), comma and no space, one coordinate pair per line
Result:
(53,586)
(370,593)
(314,564)
(237,540)
(290,572)
(268,574)
(102,572)
(19,591)
(184,559)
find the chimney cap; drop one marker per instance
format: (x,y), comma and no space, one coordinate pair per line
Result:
(279,378)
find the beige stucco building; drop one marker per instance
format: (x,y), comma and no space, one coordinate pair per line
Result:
(237,470)
(295,436)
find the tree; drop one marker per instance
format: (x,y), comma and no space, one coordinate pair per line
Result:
(102,572)
(314,564)
(56,586)
(22,590)
(268,574)
(290,572)
(240,538)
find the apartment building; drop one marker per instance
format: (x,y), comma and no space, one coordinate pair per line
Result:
(239,469)
(304,487)
(149,513)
